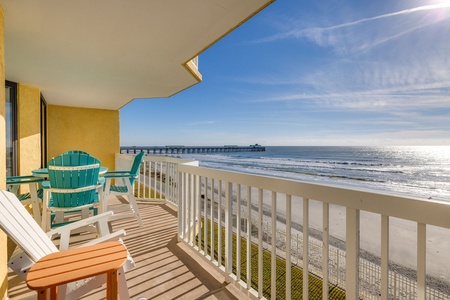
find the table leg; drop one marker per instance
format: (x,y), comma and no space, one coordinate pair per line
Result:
(112,282)
(54,292)
(42,294)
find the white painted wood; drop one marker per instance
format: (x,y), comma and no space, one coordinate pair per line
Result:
(249,236)
(238,232)
(305,247)
(229,231)
(352,253)
(212,219)
(325,248)
(384,257)
(260,243)
(421,260)
(288,246)
(205,216)
(219,221)
(273,278)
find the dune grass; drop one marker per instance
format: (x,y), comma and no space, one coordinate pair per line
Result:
(314,283)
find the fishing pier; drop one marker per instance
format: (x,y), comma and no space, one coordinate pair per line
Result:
(190,149)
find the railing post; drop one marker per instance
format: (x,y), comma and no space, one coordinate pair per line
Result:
(421,260)
(384,257)
(352,253)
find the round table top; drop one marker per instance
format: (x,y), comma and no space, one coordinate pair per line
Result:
(75,264)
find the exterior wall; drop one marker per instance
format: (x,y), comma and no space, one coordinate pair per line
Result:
(96,131)
(29,129)
(3,240)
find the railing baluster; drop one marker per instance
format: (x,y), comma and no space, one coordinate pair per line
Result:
(189,208)
(288,246)
(325,248)
(213,215)
(260,243)
(238,232)
(181,206)
(198,211)
(205,218)
(219,232)
(249,237)
(228,230)
(273,278)
(305,247)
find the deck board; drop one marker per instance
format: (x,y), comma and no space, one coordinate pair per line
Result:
(164,269)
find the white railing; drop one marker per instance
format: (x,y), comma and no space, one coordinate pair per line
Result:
(157,178)
(221,196)
(207,194)
(195,61)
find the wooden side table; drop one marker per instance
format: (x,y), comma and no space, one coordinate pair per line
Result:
(75,264)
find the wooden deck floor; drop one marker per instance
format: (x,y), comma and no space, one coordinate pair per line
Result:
(164,269)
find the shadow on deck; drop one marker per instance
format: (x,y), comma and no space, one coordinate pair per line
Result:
(164,269)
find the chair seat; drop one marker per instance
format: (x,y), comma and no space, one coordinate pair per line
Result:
(119,189)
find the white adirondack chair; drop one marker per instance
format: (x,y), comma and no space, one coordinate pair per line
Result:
(35,244)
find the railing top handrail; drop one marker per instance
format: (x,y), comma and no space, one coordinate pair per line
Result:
(427,211)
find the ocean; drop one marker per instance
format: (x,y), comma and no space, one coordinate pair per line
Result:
(422,171)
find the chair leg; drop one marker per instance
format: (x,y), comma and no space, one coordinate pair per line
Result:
(35,203)
(123,288)
(133,204)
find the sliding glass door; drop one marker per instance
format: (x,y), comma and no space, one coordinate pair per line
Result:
(11,128)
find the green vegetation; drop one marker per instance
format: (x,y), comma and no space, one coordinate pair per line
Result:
(145,192)
(314,283)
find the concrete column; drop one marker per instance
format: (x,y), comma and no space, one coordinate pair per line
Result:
(3,242)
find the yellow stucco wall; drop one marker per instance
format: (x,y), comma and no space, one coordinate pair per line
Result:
(3,248)
(29,129)
(96,131)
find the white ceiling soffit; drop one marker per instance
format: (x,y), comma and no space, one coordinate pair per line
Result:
(104,53)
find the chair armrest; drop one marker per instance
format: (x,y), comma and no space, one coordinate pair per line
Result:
(115,236)
(101,181)
(64,232)
(22,179)
(46,184)
(118,175)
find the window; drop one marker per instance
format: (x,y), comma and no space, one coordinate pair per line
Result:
(11,128)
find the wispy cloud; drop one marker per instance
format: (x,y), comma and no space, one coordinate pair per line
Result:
(201,123)
(318,34)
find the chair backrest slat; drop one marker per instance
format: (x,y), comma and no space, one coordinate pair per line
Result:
(19,225)
(138,159)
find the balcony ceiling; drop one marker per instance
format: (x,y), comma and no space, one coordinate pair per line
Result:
(105,53)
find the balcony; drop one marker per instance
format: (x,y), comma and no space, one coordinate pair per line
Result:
(323,229)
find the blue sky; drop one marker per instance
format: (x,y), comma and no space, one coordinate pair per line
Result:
(357,72)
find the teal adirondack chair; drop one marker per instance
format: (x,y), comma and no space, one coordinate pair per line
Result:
(124,185)
(73,189)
